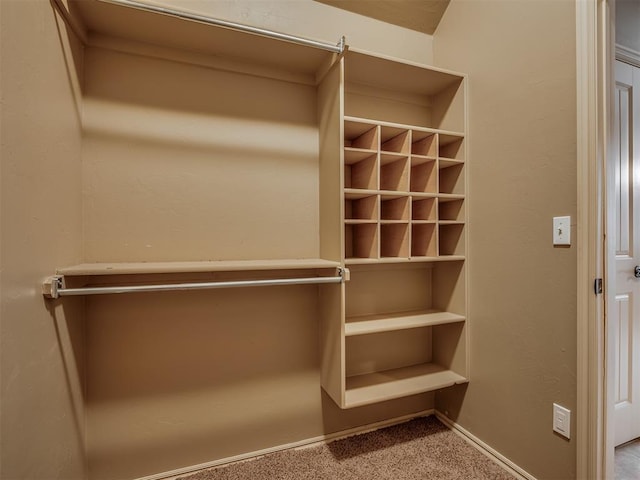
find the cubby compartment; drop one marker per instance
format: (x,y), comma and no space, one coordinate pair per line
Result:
(361,240)
(424,144)
(451,179)
(423,209)
(451,210)
(403,93)
(362,173)
(451,147)
(394,240)
(451,239)
(394,208)
(395,140)
(423,240)
(394,175)
(360,136)
(361,207)
(423,178)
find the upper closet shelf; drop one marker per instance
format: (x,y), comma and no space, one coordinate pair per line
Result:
(200,33)
(193,267)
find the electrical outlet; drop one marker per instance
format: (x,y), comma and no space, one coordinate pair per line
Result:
(562,230)
(562,420)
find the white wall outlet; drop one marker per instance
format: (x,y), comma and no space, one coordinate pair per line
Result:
(562,420)
(562,230)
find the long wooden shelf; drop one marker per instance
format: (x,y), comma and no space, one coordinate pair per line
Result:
(442,258)
(399,382)
(367,324)
(191,267)
(369,121)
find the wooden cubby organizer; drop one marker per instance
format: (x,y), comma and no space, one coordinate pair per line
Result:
(402,159)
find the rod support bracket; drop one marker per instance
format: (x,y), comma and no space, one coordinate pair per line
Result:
(342,44)
(51,286)
(344,273)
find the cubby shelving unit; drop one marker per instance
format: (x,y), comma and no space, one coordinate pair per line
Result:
(404,330)
(416,176)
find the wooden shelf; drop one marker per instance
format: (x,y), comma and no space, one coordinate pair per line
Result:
(220,48)
(350,119)
(399,382)
(355,155)
(191,267)
(448,162)
(365,261)
(367,324)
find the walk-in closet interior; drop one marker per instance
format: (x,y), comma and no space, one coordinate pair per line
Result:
(219,158)
(247,239)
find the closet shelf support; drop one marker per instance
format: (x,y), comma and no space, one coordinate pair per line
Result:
(55,287)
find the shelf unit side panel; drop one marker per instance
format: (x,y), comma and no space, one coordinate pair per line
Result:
(332,341)
(448,111)
(330,114)
(449,291)
(450,344)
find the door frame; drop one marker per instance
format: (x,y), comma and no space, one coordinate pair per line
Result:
(595,29)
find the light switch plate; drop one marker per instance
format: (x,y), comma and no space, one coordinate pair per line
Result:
(562,230)
(562,420)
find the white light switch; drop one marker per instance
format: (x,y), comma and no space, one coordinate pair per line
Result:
(562,230)
(562,420)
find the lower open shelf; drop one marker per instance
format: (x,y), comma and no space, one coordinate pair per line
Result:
(399,382)
(367,324)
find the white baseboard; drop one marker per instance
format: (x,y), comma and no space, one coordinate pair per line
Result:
(490,452)
(482,447)
(321,439)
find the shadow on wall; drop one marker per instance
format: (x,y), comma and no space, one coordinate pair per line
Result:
(67,317)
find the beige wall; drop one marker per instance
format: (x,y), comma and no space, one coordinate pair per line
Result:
(628,24)
(315,20)
(41,343)
(520,57)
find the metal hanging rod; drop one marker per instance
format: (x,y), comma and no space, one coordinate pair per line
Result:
(54,287)
(337,48)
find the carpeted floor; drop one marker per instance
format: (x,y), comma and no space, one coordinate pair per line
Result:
(423,448)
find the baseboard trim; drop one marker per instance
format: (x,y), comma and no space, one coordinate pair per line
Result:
(309,442)
(490,452)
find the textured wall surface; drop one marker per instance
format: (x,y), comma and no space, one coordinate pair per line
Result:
(520,57)
(41,348)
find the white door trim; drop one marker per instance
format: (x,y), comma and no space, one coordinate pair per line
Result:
(628,55)
(594,53)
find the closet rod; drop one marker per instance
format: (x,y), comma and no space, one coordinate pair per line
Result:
(338,48)
(54,287)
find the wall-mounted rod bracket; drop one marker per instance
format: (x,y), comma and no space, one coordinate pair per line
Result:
(52,285)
